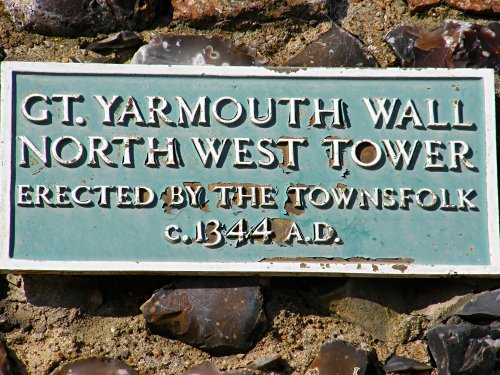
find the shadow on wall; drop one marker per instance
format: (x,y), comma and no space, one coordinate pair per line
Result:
(400,295)
(123,295)
(96,295)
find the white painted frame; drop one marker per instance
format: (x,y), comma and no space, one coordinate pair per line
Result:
(299,267)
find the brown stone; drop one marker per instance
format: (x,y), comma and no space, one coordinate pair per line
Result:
(419,5)
(219,315)
(95,366)
(476,6)
(338,358)
(335,48)
(81,17)
(473,6)
(215,10)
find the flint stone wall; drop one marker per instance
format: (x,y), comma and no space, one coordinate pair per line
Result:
(293,325)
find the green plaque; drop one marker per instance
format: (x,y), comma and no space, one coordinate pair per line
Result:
(123,168)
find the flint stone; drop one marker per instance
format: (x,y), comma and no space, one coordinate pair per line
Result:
(474,6)
(399,364)
(81,17)
(95,366)
(334,48)
(195,11)
(483,306)
(454,44)
(5,367)
(219,315)
(338,358)
(122,40)
(455,347)
(170,49)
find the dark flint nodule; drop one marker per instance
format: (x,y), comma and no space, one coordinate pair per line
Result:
(397,364)
(95,366)
(335,48)
(338,358)
(219,315)
(170,49)
(484,306)
(454,44)
(81,17)
(464,349)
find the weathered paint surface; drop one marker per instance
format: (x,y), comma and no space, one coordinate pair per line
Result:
(402,240)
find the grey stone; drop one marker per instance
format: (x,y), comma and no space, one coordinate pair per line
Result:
(335,48)
(95,366)
(338,358)
(218,315)
(402,364)
(466,345)
(482,306)
(81,17)
(122,40)
(170,49)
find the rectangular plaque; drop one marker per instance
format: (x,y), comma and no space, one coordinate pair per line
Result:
(121,168)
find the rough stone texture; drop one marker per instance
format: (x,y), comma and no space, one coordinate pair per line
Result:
(474,6)
(219,315)
(338,358)
(464,348)
(485,306)
(169,49)
(217,10)
(95,366)
(454,44)
(81,17)
(335,48)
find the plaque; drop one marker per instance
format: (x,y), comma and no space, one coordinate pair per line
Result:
(239,170)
